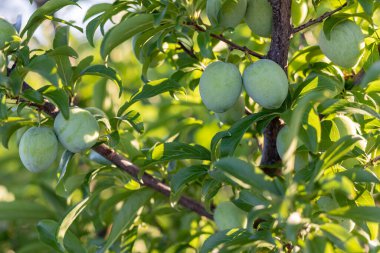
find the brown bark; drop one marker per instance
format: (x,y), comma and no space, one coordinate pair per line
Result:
(278,52)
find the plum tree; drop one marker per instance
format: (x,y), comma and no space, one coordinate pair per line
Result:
(220,86)
(237,217)
(266,83)
(78,133)
(226,13)
(259,17)
(233,114)
(38,148)
(344,45)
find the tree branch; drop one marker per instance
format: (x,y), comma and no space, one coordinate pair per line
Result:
(124,164)
(317,20)
(278,53)
(220,37)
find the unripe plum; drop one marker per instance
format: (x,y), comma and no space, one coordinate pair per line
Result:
(345,43)
(78,133)
(233,114)
(220,86)
(228,216)
(259,17)
(38,148)
(266,83)
(230,14)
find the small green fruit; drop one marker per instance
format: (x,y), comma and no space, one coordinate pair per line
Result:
(94,156)
(220,86)
(38,148)
(228,216)
(259,17)
(80,132)
(266,83)
(345,43)
(226,14)
(233,114)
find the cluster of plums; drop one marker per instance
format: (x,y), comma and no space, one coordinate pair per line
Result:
(39,145)
(221,85)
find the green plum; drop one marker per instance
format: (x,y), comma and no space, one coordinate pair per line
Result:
(228,216)
(227,14)
(38,148)
(233,114)
(78,133)
(344,46)
(220,86)
(259,17)
(266,83)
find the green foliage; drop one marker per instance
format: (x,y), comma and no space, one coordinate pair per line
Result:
(322,196)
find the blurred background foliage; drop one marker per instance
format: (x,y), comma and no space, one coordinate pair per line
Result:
(180,116)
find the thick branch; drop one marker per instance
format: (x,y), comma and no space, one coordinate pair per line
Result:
(317,20)
(122,163)
(231,44)
(278,53)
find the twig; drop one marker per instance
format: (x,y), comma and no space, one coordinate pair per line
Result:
(317,20)
(190,52)
(220,37)
(123,163)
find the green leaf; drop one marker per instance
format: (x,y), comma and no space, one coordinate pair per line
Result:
(3,107)
(101,70)
(126,215)
(58,96)
(9,128)
(134,119)
(360,175)
(367,6)
(186,176)
(23,210)
(47,230)
(45,66)
(177,151)
(61,172)
(96,9)
(230,139)
(124,31)
(225,236)
(69,219)
(245,175)
(342,105)
(360,213)
(149,90)
(91,29)
(61,52)
(341,238)
(335,153)
(33,95)
(372,74)
(38,16)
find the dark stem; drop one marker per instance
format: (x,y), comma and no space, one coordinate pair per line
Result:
(220,37)
(317,20)
(278,53)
